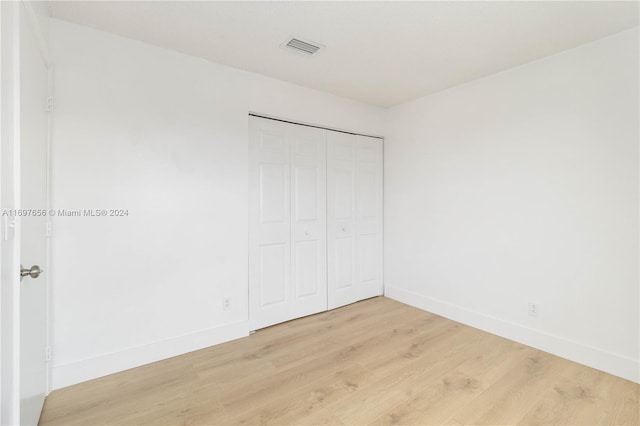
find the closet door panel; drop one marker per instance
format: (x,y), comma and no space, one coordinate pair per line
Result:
(343,268)
(272,259)
(306,269)
(341,218)
(369,216)
(308,224)
(343,193)
(269,224)
(272,192)
(354,215)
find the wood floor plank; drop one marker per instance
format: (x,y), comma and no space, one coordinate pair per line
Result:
(314,397)
(400,377)
(440,394)
(514,393)
(374,362)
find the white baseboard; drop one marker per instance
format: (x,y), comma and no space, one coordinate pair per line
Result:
(88,369)
(621,366)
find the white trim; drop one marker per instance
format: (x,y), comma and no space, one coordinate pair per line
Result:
(2,236)
(92,368)
(618,365)
(49,274)
(2,83)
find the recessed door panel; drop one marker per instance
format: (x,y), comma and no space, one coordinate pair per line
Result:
(306,193)
(367,194)
(367,151)
(343,258)
(343,194)
(306,146)
(366,258)
(306,268)
(342,151)
(272,142)
(273,263)
(273,197)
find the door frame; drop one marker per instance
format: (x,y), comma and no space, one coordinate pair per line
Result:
(11,14)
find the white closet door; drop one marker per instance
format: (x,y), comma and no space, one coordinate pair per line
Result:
(369,216)
(341,218)
(269,224)
(287,222)
(354,218)
(308,220)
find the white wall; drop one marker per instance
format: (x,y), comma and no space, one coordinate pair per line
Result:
(523,186)
(165,136)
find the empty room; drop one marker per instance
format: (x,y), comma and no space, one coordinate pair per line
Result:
(320,213)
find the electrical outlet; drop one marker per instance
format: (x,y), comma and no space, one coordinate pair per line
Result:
(226,303)
(533,309)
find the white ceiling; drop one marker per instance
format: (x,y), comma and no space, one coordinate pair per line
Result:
(382,53)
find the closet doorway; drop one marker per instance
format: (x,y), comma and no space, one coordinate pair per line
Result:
(315,220)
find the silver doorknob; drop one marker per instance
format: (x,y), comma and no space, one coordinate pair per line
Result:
(33,272)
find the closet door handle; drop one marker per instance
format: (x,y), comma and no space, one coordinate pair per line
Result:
(33,272)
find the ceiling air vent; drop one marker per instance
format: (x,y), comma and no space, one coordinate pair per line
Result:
(301,46)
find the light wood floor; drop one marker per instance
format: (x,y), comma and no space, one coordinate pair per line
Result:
(374,362)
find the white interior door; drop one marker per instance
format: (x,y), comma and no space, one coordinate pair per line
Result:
(354,218)
(33,196)
(369,221)
(341,218)
(269,224)
(308,220)
(287,222)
